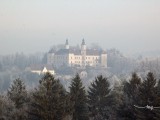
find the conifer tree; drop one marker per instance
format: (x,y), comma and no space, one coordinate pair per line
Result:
(130,98)
(131,88)
(99,99)
(17,93)
(148,96)
(79,99)
(116,98)
(6,108)
(158,89)
(49,101)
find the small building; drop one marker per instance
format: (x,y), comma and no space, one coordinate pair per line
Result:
(42,69)
(83,74)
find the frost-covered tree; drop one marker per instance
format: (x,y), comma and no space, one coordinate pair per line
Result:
(148,96)
(7,108)
(116,100)
(130,98)
(99,99)
(49,101)
(79,99)
(17,93)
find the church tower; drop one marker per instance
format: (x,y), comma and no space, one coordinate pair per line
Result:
(83,53)
(66,44)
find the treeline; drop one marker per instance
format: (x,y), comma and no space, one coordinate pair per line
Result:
(137,99)
(20,61)
(119,63)
(16,65)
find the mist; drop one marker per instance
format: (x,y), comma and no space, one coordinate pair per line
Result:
(34,26)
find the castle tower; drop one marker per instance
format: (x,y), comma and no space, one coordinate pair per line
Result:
(83,45)
(83,53)
(104,59)
(66,44)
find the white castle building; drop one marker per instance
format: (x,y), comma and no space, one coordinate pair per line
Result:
(79,57)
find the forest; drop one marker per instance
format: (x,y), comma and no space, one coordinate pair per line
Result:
(28,96)
(119,65)
(136,99)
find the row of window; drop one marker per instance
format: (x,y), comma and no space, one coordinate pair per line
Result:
(86,58)
(77,62)
(90,62)
(77,57)
(87,62)
(63,57)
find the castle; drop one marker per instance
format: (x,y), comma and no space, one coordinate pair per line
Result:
(80,57)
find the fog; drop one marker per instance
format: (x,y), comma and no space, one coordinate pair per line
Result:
(34,26)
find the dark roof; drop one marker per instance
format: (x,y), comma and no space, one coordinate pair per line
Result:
(52,50)
(92,52)
(75,51)
(67,51)
(103,52)
(78,51)
(62,52)
(95,52)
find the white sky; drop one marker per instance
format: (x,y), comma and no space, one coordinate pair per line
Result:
(30,26)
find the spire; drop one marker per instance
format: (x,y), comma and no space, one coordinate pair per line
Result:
(83,42)
(83,45)
(66,42)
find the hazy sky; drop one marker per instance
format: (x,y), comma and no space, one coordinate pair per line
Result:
(30,26)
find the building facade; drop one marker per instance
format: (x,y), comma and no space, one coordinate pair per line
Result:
(80,57)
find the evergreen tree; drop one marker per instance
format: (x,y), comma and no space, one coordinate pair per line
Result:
(6,108)
(79,98)
(130,98)
(158,99)
(116,96)
(99,99)
(131,88)
(49,101)
(148,96)
(158,89)
(18,95)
